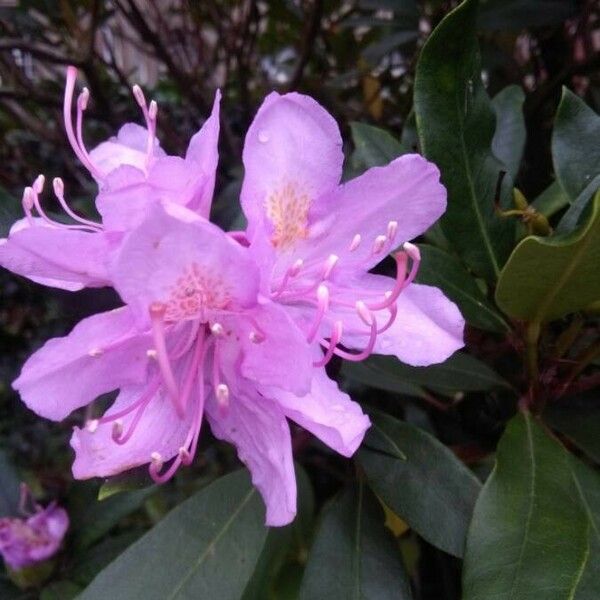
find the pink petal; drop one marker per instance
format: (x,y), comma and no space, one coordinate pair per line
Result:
(259,430)
(292,141)
(203,155)
(283,358)
(327,412)
(158,430)
(174,251)
(102,353)
(61,258)
(427,330)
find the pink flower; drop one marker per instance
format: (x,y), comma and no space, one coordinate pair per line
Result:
(316,240)
(131,171)
(25,542)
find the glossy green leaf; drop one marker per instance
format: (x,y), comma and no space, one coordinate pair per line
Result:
(575,148)
(551,200)
(548,277)
(456,125)
(373,146)
(442,270)
(421,480)
(102,515)
(508,143)
(207,547)
(381,376)
(354,555)
(529,534)
(460,373)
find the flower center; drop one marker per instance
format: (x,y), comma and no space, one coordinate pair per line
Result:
(287,208)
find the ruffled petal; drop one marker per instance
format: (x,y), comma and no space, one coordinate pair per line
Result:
(283,358)
(101,354)
(260,432)
(62,258)
(292,154)
(326,411)
(185,262)
(159,430)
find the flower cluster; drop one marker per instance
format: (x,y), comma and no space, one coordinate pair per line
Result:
(233,327)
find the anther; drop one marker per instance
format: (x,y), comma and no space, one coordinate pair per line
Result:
(295,268)
(151,353)
(58,186)
(185,456)
(256,337)
(38,184)
(157,309)
(28,198)
(392,229)
(92,425)
(139,95)
(222,394)
(156,460)
(379,243)
(329,265)
(95,352)
(117,430)
(364,313)
(153,110)
(355,242)
(412,250)
(82,100)
(217,329)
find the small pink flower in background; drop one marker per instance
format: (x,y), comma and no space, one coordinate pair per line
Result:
(131,171)
(27,541)
(315,239)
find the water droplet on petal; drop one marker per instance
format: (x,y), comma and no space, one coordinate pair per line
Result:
(263,136)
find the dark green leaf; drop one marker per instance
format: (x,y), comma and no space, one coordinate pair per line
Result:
(546,278)
(460,373)
(421,481)
(577,211)
(580,425)
(353,555)
(380,376)
(509,140)
(60,590)
(575,148)
(528,538)
(551,200)
(373,146)
(440,269)
(456,125)
(207,547)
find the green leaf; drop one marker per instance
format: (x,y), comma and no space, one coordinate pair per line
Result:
(103,515)
(575,148)
(460,373)
(420,480)
(546,278)
(577,211)
(551,200)
(373,146)
(380,376)
(440,269)
(456,125)
(580,425)
(528,537)
(207,547)
(354,555)
(509,140)
(60,590)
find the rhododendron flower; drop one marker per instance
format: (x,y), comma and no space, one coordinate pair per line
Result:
(131,171)
(316,240)
(194,338)
(25,542)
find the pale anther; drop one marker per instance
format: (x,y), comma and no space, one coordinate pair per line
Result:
(151,353)
(412,251)
(28,198)
(95,352)
(156,460)
(153,110)
(392,228)
(355,242)
(38,184)
(217,329)
(364,313)
(139,95)
(379,243)
(83,99)
(58,186)
(92,425)
(329,265)
(255,337)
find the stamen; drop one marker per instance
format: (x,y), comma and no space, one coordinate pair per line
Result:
(289,274)
(95,352)
(92,425)
(217,329)
(379,243)
(38,184)
(138,94)
(184,456)
(323,306)
(364,313)
(355,242)
(391,297)
(156,460)
(336,336)
(157,313)
(152,353)
(222,394)
(329,265)
(366,352)
(392,229)
(68,118)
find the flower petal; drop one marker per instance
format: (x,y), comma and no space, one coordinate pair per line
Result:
(178,258)
(260,432)
(102,353)
(283,358)
(326,411)
(203,155)
(293,144)
(159,430)
(427,330)
(61,258)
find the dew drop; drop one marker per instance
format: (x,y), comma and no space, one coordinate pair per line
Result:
(263,136)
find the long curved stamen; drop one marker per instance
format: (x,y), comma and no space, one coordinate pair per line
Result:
(143,399)
(289,274)
(27,204)
(68,119)
(401,265)
(336,336)
(150,114)
(157,313)
(59,192)
(366,352)
(323,306)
